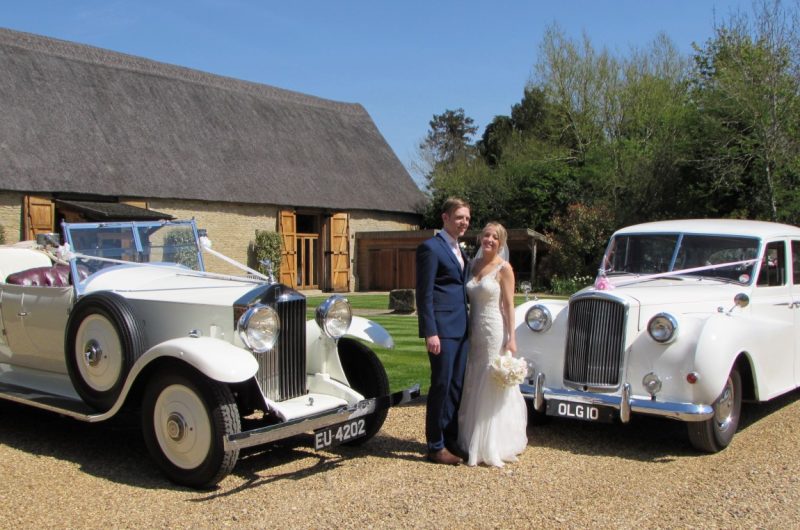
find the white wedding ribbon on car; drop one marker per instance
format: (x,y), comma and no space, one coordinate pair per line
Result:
(648,277)
(183,272)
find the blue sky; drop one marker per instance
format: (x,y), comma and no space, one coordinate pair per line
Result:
(404,61)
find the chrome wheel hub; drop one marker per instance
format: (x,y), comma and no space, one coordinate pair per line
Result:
(176,427)
(92,352)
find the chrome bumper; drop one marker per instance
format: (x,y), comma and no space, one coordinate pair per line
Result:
(536,390)
(297,426)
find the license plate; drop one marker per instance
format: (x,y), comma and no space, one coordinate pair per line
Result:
(339,433)
(580,411)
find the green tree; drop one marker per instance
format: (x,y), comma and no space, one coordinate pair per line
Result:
(449,139)
(578,238)
(575,79)
(746,87)
(496,135)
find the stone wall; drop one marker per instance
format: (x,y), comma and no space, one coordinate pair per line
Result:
(11,215)
(231,227)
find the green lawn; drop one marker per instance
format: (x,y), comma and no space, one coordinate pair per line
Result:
(407,363)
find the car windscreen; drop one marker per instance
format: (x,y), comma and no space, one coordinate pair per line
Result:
(712,256)
(136,242)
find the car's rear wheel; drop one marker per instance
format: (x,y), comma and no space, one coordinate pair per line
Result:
(714,435)
(103,340)
(366,375)
(185,419)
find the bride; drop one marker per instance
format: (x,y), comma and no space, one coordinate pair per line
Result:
(492,418)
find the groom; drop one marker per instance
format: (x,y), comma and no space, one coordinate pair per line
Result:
(442,309)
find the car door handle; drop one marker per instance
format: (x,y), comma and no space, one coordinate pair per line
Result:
(22,314)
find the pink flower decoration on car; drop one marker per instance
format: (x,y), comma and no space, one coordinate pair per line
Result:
(601,283)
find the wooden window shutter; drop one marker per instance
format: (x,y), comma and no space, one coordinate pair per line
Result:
(39,214)
(340,252)
(288,231)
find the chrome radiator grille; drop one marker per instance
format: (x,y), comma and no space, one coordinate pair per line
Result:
(595,342)
(282,370)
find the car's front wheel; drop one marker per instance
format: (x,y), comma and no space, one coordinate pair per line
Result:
(714,434)
(185,419)
(366,375)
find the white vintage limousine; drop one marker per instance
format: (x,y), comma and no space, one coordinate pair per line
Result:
(124,314)
(685,321)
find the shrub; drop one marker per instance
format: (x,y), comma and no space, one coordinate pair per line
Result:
(570,285)
(267,246)
(179,247)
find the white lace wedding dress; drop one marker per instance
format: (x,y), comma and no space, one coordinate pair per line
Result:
(492,419)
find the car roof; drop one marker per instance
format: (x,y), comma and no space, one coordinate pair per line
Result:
(741,227)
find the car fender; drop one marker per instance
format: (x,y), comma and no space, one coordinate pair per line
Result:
(364,329)
(217,359)
(322,355)
(723,338)
(544,350)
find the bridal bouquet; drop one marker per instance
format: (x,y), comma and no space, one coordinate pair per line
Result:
(508,370)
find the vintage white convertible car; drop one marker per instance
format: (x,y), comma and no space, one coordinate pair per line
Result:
(685,320)
(123,314)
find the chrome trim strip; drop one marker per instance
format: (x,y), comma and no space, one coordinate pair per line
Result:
(667,409)
(290,428)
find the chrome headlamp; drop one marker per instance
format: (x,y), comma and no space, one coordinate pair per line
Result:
(663,328)
(538,318)
(334,316)
(258,328)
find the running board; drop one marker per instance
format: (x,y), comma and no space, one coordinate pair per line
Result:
(73,407)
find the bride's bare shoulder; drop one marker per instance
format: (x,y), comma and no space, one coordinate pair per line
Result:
(505,269)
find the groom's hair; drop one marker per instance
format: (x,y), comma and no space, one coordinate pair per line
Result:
(452,204)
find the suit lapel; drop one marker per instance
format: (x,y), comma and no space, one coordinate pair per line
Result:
(449,252)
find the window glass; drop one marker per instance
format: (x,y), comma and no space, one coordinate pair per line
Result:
(796,262)
(773,265)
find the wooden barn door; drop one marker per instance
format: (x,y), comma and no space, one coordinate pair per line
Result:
(39,214)
(340,252)
(288,229)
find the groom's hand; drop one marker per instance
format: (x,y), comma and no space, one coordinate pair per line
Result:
(433,344)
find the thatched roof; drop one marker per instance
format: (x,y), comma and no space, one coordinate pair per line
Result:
(82,119)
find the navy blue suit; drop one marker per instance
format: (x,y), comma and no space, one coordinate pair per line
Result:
(442,310)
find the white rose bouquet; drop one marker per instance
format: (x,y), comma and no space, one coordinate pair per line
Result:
(507,369)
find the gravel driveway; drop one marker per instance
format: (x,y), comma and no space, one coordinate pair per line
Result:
(60,473)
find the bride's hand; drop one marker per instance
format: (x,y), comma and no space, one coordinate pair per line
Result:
(511,345)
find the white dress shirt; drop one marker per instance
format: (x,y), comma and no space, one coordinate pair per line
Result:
(454,247)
